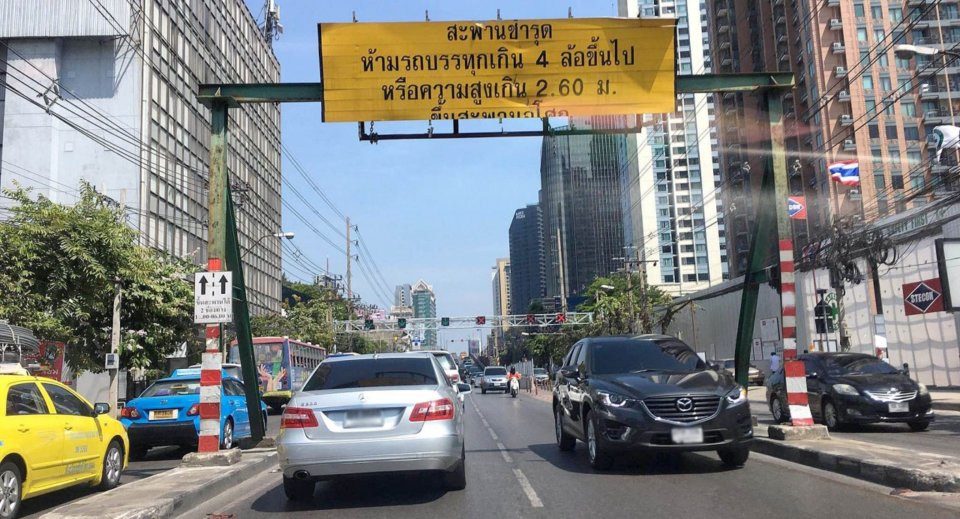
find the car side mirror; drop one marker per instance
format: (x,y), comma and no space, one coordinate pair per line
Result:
(465,389)
(101,408)
(570,372)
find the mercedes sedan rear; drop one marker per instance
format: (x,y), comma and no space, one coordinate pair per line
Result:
(372,414)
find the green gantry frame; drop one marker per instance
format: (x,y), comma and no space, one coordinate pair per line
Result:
(223,239)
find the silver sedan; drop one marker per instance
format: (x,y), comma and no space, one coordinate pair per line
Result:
(372,414)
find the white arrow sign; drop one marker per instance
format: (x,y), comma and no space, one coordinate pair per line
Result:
(213,297)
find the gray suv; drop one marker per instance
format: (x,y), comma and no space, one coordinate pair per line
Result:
(494,379)
(649,393)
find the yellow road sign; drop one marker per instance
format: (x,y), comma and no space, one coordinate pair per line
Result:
(496,69)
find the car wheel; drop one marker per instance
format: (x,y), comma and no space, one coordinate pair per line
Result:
(735,457)
(831,417)
(10,490)
(227,435)
(298,489)
(112,466)
(776,409)
(600,459)
(919,425)
(456,479)
(138,453)
(565,441)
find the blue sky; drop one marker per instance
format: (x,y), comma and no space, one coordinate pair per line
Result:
(436,210)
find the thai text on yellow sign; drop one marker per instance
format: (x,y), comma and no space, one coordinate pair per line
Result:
(496,69)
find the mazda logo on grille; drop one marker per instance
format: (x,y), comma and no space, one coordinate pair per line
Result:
(684,405)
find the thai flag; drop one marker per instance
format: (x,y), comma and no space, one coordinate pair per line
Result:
(847,172)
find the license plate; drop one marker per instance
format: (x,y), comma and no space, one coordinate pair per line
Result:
(362,419)
(899,407)
(687,435)
(164,414)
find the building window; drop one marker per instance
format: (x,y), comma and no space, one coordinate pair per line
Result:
(892,131)
(895,14)
(862,35)
(916,182)
(908,108)
(874,130)
(858,10)
(867,82)
(911,133)
(897,181)
(879,181)
(876,13)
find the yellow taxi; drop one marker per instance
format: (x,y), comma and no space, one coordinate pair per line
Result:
(51,438)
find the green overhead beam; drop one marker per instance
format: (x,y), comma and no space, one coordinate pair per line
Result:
(238,93)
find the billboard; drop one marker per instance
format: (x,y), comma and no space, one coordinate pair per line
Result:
(923,297)
(496,69)
(47,361)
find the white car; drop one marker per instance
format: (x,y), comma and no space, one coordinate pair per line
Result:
(447,362)
(392,412)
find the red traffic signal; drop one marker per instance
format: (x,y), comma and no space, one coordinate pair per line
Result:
(481,320)
(561,318)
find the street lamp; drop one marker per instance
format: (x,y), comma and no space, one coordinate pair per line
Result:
(278,235)
(905,51)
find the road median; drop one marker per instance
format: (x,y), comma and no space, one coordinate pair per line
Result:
(169,493)
(889,466)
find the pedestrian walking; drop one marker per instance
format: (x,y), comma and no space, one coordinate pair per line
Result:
(774,362)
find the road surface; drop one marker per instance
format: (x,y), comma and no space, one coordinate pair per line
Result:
(515,470)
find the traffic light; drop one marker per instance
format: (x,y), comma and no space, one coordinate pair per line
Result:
(561,318)
(444,321)
(401,323)
(481,320)
(368,324)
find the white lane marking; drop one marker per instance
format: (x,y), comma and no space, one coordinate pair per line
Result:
(528,489)
(493,434)
(503,450)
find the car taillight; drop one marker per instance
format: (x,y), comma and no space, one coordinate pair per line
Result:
(194,410)
(298,418)
(436,410)
(454,378)
(129,412)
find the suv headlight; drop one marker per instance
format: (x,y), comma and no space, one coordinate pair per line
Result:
(845,389)
(737,396)
(923,389)
(613,399)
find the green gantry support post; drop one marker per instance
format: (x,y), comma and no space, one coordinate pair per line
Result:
(222,243)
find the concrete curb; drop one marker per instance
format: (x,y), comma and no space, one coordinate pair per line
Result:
(946,406)
(167,494)
(877,471)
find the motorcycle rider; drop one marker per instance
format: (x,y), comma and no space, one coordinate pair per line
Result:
(513,375)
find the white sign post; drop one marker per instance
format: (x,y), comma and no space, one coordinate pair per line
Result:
(213,297)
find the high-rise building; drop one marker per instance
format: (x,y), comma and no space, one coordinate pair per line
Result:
(501,287)
(424,306)
(580,200)
(670,193)
(527,270)
(106,92)
(401,295)
(854,100)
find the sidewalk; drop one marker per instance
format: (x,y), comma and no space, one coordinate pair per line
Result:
(166,494)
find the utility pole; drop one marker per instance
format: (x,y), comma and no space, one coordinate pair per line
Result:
(349,274)
(563,277)
(115,348)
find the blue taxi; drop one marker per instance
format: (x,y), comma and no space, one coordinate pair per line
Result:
(168,413)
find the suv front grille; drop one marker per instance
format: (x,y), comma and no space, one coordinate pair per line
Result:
(667,408)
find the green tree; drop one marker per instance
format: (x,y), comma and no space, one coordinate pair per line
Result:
(59,271)
(304,321)
(611,306)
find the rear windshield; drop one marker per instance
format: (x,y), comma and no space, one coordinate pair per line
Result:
(629,356)
(495,371)
(373,373)
(539,371)
(173,388)
(445,361)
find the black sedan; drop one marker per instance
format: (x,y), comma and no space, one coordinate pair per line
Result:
(648,393)
(855,388)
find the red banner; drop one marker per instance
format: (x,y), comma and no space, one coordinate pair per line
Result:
(49,359)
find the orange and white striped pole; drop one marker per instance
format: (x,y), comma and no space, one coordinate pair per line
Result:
(793,369)
(211,365)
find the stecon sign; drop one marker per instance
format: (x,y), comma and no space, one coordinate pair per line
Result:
(496,69)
